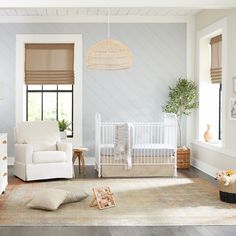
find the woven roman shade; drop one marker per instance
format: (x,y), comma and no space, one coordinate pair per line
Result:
(49,63)
(216,59)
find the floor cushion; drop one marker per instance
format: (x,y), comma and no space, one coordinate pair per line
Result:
(51,199)
(48,199)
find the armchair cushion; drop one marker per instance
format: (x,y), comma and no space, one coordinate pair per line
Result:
(49,157)
(37,131)
(43,146)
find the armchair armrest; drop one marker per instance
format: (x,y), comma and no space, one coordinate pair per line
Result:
(23,153)
(67,148)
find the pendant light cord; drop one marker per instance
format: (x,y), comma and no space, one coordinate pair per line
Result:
(108,23)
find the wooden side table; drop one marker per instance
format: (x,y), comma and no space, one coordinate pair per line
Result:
(78,153)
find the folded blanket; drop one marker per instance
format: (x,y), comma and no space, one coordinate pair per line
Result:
(123,143)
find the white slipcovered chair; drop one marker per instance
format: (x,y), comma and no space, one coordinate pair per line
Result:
(39,152)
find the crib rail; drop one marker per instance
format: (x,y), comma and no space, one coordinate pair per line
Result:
(153,143)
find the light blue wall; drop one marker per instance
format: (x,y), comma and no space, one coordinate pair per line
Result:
(137,94)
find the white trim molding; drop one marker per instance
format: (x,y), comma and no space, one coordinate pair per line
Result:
(93,19)
(208,32)
(202,4)
(190,60)
(216,147)
(21,39)
(210,170)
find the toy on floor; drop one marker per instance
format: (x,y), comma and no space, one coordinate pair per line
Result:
(103,198)
(226,177)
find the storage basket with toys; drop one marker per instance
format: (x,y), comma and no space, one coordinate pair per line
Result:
(227,185)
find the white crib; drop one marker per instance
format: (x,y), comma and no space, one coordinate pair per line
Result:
(154,149)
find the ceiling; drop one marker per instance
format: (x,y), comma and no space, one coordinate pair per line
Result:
(202,4)
(99,11)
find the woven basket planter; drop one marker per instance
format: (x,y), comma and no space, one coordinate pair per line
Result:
(227,193)
(183,158)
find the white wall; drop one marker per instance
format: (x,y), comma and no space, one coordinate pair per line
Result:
(203,156)
(159,58)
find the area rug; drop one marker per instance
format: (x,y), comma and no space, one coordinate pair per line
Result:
(139,202)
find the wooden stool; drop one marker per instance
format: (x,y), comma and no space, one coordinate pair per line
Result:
(78,153)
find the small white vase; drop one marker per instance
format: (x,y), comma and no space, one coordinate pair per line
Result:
(63,134)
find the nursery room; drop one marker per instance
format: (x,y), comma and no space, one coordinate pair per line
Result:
(118,117)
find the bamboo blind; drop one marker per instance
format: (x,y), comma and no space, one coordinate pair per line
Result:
(216,59)
(49,63)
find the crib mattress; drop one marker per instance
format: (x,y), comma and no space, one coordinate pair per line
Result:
(147,150)
(109,160)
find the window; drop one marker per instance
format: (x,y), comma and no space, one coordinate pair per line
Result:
(210,87)
(49,79)
(50,102)
(216,74)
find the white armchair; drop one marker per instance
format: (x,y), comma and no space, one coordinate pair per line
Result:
(39,152)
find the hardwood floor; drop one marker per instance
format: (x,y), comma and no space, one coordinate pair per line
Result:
(117,231)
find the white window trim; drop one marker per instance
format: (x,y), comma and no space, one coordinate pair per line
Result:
(209,31)
(21,39)
(215,147)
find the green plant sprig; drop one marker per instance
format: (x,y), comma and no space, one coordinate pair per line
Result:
(64,125)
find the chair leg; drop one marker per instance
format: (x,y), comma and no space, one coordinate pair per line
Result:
(79,160)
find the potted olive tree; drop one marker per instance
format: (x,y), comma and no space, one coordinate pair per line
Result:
(63,126)
(183,99)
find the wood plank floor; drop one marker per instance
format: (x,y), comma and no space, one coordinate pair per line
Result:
(127,230)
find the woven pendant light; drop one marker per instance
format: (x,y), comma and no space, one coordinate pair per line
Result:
(109,54)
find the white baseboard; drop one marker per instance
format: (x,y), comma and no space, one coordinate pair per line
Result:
(210,170)
(89,161)
(10,161)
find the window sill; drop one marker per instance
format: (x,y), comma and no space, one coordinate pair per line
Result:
(217,147)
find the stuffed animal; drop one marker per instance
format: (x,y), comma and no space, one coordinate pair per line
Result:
(225,178)
(220,174)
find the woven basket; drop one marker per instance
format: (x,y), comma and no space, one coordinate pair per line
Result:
(227,193)
(183,158)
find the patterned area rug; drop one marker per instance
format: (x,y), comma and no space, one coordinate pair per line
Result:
(140,202)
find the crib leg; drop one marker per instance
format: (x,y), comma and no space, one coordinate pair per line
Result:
(175,173)
(99,172)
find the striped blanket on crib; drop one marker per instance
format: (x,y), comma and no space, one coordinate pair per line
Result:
(123,143)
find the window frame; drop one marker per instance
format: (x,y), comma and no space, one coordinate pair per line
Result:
(220,112)
(203,37)
(20,95)
(57,91)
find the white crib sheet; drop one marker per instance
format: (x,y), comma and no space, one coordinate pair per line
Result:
(145,150)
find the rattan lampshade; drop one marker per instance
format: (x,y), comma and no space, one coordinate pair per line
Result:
(109,55)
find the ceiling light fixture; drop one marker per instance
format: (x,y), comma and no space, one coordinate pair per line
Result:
(109,54)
